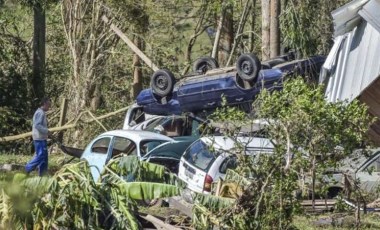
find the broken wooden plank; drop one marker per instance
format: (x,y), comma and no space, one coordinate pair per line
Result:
(159,224)
(62,118)
(131,45)
(318,202)
(178,203)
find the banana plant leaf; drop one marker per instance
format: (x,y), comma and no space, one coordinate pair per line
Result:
(134,170)
(147,190)
(141,170)
(213,203)
(232,176)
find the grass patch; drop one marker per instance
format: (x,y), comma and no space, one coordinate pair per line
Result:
(56,161)
(341,221)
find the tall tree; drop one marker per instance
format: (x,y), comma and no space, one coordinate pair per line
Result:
(137,71)
(89,40)
(275,7)
(265,29)
(215,49)
(39,47)
(227,35)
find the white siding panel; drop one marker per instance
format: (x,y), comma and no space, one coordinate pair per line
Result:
(357,66)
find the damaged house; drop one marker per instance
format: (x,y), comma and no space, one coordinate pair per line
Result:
(352,68)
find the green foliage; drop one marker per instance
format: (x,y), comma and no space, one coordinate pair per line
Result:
(306,25)
(299,112)
(71,199)
(308,134)
(15,70)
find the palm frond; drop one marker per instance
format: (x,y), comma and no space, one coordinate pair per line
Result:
(132,169)
(213,203)
(147,190)
(232,176)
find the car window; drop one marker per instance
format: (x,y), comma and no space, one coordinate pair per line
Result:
(122,145)
(228,163)
(199,155)
(153,124)
(101,145)
(173,126)
(147,146)
(137,117)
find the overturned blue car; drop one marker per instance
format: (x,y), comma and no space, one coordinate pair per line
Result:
(203,90)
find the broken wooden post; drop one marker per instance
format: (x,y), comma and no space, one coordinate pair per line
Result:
(131,45)
(62,118)
(218,187)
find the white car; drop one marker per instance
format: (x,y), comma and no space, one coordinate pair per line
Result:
(171,126)
(149,146)
(208,158)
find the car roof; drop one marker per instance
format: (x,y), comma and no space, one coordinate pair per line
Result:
(227,143)
(358,159)
(137,135)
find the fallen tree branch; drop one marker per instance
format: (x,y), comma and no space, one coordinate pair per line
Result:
(60,128)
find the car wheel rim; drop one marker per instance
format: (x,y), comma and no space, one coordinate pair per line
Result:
(247,67)
(204,68)
(162,82)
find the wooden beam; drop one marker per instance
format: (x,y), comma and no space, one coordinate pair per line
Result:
(159,224)
(60,128)
(131,45)
(62,118)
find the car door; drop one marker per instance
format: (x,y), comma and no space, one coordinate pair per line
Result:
(219,169)
(215,89)
(369,174)
(97,155)
(190,94)
(106,147)
(205,92)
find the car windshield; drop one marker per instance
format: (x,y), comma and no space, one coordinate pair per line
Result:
(200,155)
(153,124)
(171,126)
(147,146)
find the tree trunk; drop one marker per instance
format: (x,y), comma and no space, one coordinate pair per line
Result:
(89,40)
(38,79)
(227,37)
(215,48)
(275,28)
(252,34)
(239,32)
(265,30)
(137,73)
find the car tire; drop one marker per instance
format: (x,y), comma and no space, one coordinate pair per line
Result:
(204,64)
(248,67)
(273,62)
(162,82)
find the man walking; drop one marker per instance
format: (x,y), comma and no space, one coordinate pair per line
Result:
(40,135)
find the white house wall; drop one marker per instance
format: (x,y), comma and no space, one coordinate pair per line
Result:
(357,63)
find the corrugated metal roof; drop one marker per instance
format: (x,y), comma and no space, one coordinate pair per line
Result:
(353,63)
(346,17)
(371,13)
